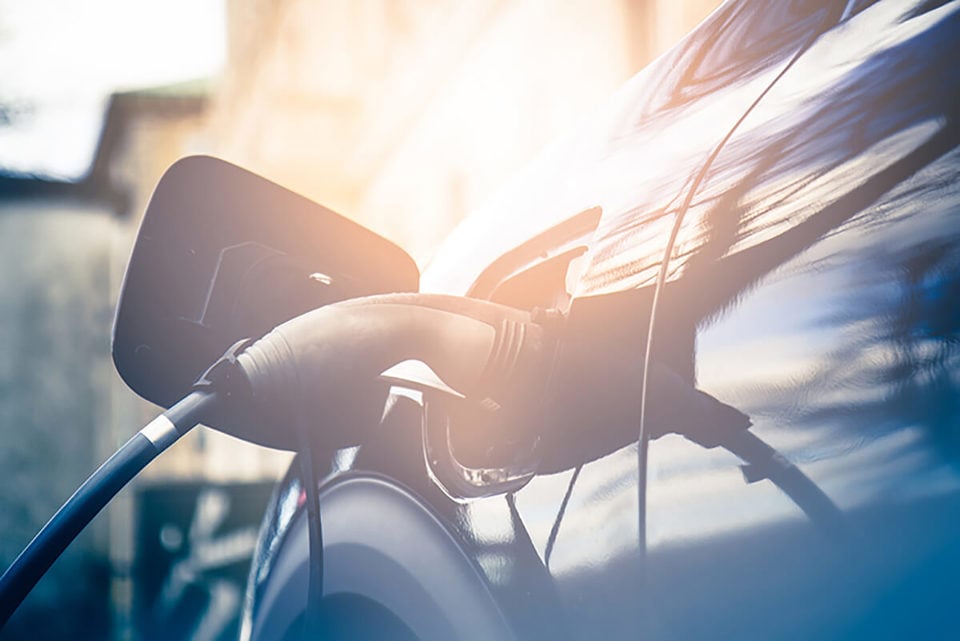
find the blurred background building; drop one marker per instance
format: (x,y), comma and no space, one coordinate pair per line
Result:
(402,114)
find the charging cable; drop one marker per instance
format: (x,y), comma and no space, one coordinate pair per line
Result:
(96,492)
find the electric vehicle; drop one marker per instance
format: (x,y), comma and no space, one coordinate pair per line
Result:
(693,374)
(751,428)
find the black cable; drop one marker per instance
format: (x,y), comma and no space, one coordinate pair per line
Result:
(90,498)
(765,461)
(555,530)
(314,535)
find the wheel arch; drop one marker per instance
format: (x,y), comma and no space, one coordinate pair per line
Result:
(383,546)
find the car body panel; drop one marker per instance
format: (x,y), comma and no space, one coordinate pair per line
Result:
(806,153)
(812,286)
(380,542)
(635,155)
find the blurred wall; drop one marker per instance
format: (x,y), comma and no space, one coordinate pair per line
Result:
(63,409)
(54,382)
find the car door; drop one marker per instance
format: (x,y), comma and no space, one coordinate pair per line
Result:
(813,287)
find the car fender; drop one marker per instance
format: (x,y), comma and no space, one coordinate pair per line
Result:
(383,544)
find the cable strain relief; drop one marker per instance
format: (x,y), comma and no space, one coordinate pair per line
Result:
(222,375)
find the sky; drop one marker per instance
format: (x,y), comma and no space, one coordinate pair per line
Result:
(61,59)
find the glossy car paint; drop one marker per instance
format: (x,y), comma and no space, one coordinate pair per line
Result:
(370,524)
(805,155)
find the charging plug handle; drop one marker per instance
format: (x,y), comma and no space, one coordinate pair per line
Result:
(324,366)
